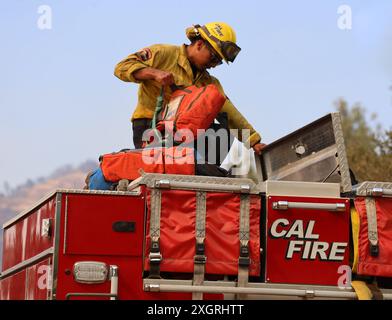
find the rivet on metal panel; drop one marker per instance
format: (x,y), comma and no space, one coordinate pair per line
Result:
(300,149)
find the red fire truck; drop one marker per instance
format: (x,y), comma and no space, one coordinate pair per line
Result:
(301,230)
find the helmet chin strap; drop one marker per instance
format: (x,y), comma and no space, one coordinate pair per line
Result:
(193,65)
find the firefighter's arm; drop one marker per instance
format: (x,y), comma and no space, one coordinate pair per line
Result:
(238,121)
(162,77)
(143,65)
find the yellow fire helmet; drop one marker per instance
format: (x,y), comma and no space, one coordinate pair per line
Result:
(220,36)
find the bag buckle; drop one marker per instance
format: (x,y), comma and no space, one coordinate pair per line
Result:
(244,260)
(374,250)
(155,257)
(200,259)
(155,254)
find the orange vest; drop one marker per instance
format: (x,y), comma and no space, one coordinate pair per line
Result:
(190,109)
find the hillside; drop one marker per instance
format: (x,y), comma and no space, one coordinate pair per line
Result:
(24,196)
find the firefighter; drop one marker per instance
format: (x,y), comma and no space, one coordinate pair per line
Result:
(167,65)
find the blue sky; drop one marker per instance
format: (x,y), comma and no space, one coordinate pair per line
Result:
(60,103)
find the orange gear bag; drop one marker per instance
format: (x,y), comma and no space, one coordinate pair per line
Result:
(222,239)
(126,165)
(374,262)
(190,109)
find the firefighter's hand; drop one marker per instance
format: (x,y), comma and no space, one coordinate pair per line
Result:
(164,78)
(258,148)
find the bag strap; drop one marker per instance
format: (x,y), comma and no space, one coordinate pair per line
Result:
(372,226)
(160,103)
(158,108)
(362,290)
(244,259)
(155,256)
(200,258)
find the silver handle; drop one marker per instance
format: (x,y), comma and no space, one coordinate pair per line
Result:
(251,290)
(284,205)
(166,184)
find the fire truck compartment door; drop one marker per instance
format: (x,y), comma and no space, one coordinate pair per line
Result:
(307,240)
(103,225)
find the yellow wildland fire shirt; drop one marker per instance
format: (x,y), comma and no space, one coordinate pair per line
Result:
(174,59)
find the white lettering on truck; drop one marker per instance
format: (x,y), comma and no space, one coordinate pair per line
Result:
(303,241)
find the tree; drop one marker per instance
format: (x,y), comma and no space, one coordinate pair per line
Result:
(369,150)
